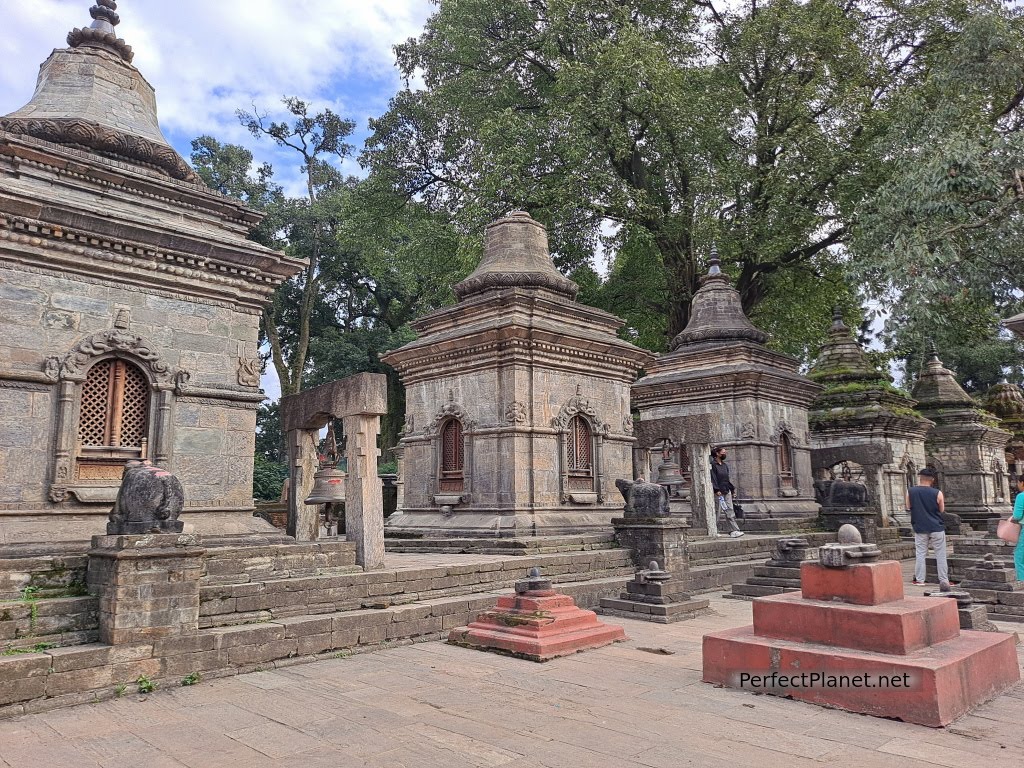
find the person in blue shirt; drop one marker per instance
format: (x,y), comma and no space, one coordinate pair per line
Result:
(1018,517)
(926,504)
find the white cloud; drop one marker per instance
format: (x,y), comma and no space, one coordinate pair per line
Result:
(207,59)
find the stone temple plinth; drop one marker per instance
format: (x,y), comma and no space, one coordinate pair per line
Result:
(719,365)
(517,402)
(863,429)
(130,303)
(852,621)
(965,446)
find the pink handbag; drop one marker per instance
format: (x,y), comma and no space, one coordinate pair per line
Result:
(1009,531)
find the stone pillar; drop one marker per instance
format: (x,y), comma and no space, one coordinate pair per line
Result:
(303,519)
(148,585)
(702,495)
(655,538)
(364,502)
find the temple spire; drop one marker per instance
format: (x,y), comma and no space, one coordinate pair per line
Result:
(101,33)
(714,261)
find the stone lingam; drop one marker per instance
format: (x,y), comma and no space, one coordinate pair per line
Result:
(851,640)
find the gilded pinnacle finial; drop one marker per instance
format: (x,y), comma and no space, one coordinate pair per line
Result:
(101,33)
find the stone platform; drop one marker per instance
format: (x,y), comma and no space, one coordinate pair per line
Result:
(537,623)
(854,621)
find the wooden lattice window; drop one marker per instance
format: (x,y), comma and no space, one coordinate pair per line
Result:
(113,421)
(580,455)
(784,451)
(452,456)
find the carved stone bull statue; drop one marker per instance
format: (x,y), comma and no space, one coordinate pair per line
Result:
(149,501)
(643,499)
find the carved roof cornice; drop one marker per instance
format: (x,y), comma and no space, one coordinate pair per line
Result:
(85,170)
(715,386)
(528,303)
(90,254)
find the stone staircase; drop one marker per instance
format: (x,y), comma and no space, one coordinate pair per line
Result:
(522,546)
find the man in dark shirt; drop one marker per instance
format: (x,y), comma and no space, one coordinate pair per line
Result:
(724,489)
(926,505)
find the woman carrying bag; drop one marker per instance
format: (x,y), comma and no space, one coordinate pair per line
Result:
(1009,530)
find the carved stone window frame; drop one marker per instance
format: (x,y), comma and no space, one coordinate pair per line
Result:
(787,483)
(578,405)
(69,374)
(449,412)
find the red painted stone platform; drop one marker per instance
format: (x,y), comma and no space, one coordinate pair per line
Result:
(537,624)
(858,622)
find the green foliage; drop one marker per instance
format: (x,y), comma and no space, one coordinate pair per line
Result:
(268,479)
(191,679)
(269,437)
(37,648)
(145,685)
(119,690)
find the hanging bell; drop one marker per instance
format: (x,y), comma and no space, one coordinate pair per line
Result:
(328,487)
(669,474)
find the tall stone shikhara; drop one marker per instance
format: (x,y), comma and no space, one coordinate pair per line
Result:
(720,366)
(129,301)
(517,401)
(862,424)
(965,446)
(1006,401)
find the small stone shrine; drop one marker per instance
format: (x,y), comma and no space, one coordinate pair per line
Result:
(781,573)
(719,365)
(851,618)
(655,595)
(965,446)
(1006,401)
(863,429)
(130,299)
(517,402)
(537,623)
(992,581)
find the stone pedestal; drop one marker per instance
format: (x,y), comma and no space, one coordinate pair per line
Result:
(863,519)
(654,595)
(655,538)
(779,574)
(537,624)
(148,586)
(855,621)
(972,615)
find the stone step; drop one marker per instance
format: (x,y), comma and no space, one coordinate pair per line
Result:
(48,622)
(716,578)
(743,549)
(774,572)
(240,560)
(789,526)
(226,604)
(750,591)
(761,581)
(527,545)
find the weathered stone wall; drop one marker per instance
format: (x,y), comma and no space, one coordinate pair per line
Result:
(749,430)
(211,434)
(512,448)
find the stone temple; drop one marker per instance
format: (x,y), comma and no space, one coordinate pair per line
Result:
(966,447)
(720,366)
(863,429)
(130,300)
(517,401)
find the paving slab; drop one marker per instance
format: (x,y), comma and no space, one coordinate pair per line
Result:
(637,704)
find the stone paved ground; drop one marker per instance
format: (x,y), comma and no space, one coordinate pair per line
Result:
(432,705)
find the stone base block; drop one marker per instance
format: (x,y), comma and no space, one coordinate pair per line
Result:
(866,584)
(898,627)
(538,628)
(946,680)
(662,614)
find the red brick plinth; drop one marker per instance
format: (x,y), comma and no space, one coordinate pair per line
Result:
(539,626)
(859,624)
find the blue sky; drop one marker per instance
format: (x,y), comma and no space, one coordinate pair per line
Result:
(208,58)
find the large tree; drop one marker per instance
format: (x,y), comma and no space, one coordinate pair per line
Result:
(761,125)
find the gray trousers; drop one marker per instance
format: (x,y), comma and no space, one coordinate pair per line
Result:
(937,541)
(724,503)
